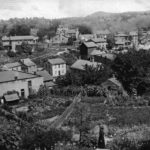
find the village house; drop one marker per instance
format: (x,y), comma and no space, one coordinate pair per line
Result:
(134,38)
(73,33)
(59,39)
(100,42)
(48,79)
(11,42)
(23,83)
(102,34)
(56,67)
(80,64)
(86,48)
(86,37)
(122,40)
(12,66)
(113,85)
(102,57)
(28,65)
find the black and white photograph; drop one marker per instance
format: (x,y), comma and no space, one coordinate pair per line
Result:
(74,74)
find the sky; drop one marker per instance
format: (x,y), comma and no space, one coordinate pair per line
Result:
(67,8)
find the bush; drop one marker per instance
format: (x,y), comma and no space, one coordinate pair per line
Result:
(11,54)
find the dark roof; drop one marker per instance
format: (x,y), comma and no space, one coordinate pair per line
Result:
(56,61)
(90,44)
(12,65)
(46,75)
(80,64)
(28,62)
(11,97)
(8,76)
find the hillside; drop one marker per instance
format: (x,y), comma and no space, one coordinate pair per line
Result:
(113,21)
(98,21)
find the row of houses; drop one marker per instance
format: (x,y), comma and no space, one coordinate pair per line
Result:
(11,42)
(25,78)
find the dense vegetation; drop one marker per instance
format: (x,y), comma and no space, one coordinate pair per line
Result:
(132,70)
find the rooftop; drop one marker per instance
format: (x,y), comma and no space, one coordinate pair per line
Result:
(80,64)
(45,74)
(12,65)
(28,62)
(8,76)
(115,81)
(98,40)
(12,38)
(90,44)
(11,97)
(103,54)
(56,61)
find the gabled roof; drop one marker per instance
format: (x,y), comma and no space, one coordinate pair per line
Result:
(28,62)
(12,38)
(11,97)
(80,64)
(56,61)
(12,65)
(46,75)
(8,76)
(90,44)
(115,81)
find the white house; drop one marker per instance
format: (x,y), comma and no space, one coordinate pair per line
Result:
(56,67)
(12,41)
(23,83)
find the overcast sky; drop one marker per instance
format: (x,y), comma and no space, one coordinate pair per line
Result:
(66,8)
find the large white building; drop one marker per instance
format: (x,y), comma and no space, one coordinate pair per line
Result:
(23,83)
(12,41)
(56,67)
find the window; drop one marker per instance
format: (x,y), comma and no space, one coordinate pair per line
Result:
(55,66)
(30,83)
(62,66)
(22,93)
(55,72)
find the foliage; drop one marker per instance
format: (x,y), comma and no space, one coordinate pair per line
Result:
(49,31)
(84,29)
(44,139)
(132,70)
(11,54)
(43,91)
(90,75)
(19,29)
(24,48)
(110,41)
(135,138)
